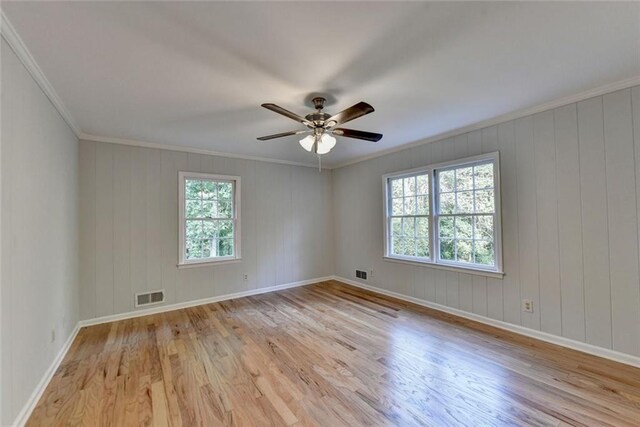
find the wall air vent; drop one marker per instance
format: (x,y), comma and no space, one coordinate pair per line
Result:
(149,298)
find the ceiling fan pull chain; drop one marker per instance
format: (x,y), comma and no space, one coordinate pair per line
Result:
(319,163)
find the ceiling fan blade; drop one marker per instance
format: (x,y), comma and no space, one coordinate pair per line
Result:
(280,135)
(358,134)
(277,109)
(351,113)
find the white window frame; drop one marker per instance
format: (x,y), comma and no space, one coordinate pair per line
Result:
(388,216)
(183,262)
(434,247)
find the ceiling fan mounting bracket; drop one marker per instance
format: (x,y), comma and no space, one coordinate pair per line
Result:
(318,102)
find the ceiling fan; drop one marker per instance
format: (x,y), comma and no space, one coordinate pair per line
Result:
(321,126)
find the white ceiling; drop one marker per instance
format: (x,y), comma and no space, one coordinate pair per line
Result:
(195,74)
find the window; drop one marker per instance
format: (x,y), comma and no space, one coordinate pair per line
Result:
(209,218)
(410,216)
(447,214)
(465,213)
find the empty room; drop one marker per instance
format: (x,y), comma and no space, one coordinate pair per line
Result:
(305,213)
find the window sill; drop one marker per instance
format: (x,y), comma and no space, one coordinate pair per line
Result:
(209,263)
(474,271)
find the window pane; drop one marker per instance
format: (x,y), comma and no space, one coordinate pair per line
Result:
(409,246)
(193,189)
(422,248)
(396,226)
(422,184)
(485,202)
(225,247)
(464,248)
(403,246)
(208,209)
(396,207)
(396,188)
(209,229)
(464,179)
(422,227)
(194,230)
(483,176)
(447,203)
(225,229)
(423,205)
(484,253)
(208,248)
(409,205)
(193,209)
(398,245)
(464,202)
(208,189)
(225,210)
(484,227)
(446,181)
(447,250)
(445,227)
(409,227)
(194,249)
(410,186)
(464,227)
(225,190)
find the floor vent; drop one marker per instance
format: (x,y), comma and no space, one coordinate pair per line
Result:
(149,298)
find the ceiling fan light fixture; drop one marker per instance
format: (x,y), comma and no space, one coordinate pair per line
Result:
(326,143)
(307,142)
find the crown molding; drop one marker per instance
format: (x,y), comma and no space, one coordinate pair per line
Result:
(560,102)
(15,42)
(159,146)
(9,33)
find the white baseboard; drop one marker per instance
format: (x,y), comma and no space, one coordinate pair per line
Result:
(606,353)
(177,306)
(25,413)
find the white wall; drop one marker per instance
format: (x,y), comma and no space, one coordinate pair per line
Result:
(39,234)
(570,200)
(129,226)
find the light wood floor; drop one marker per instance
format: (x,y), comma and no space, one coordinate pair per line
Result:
(328,354)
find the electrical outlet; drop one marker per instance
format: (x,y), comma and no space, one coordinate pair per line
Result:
(527,305)
(245,277)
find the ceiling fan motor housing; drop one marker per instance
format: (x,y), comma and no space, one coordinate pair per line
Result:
(318,119)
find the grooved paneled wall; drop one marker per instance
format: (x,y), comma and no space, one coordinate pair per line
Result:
(570,199)
(39,263)
(129,226)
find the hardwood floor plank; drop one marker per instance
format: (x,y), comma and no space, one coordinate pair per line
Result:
(328,354)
